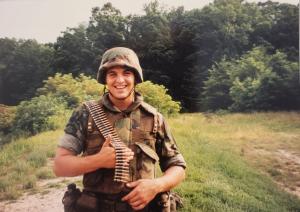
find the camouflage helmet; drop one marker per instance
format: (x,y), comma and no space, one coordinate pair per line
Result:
(120,56)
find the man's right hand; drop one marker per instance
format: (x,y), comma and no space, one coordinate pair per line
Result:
(67,164)
(108,154)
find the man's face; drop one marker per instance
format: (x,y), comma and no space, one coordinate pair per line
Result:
(120,82)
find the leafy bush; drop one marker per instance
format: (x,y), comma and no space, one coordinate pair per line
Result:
(157,96)
(82,88)
(72,90)
(257,81)
(7,115)
(33,116)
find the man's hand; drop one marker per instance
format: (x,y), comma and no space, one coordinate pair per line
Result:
(67,164)
(144,190)
(108,154)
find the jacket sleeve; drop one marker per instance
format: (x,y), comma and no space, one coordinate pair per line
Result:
(75,131)
(167,149)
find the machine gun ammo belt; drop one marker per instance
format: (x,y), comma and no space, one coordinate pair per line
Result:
(106,129)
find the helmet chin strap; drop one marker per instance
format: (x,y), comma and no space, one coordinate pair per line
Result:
(124,98)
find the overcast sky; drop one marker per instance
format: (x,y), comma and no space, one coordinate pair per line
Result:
(44,20)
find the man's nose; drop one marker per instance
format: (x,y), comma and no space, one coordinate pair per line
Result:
(120,78)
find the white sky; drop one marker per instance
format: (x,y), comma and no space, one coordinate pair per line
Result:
(44,20)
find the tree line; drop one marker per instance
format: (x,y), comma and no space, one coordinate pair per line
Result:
(230,54)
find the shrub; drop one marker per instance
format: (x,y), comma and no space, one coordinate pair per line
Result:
(72,90)
(30,182)
(82,88)
(37,159)
(44,173)
(33,116)
(259,80)
(156,95)
(7,114)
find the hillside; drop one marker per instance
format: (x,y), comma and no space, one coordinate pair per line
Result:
(236,162)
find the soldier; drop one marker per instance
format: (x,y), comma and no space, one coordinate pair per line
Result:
(146,136)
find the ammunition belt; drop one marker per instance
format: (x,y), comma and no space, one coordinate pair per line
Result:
(106,129)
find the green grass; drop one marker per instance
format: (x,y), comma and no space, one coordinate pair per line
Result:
(222,177)
(24,161)
(232,160)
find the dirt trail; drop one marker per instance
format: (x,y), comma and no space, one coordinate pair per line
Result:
(50,202)
(46,202)
(291,165)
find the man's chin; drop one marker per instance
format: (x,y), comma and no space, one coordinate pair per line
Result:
(120,96)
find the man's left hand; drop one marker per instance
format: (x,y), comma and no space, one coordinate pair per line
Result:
(144,190)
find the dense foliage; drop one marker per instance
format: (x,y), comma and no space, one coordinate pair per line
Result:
(178,49)
(24,64)
(34,116)
(256,81)
(63,93)
(156,95)
(7,115)
(71,90)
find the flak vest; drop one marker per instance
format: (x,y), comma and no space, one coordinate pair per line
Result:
(138,130)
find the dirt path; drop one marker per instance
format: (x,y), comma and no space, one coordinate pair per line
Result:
(50,202)
(282,165)
(291,165)
(47,201)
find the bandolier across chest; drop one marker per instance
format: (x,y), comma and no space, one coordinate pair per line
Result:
(138,130)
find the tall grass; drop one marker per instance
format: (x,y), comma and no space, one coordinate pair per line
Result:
(22,162)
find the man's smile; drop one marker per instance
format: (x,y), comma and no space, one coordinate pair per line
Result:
(120,86)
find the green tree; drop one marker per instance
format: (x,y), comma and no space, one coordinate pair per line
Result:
(202,38)
(216,87)
(149,36)
(256,81)
(281,20)
(107,27)
(73,52)
(262,81)
(24,64)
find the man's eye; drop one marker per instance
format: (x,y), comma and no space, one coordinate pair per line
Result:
(127,73)
(111,74)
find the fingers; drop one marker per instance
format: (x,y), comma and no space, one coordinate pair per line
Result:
(132,184)
(139,207)
(138,198)
(136,201)
(107,141)
(133,193)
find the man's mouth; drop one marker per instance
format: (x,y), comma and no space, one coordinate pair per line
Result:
(120,86)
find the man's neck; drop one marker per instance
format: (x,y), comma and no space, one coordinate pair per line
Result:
(122,104)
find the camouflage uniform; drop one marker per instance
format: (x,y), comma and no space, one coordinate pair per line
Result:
(140,127)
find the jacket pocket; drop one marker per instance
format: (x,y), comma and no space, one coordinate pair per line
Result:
(94,143)
(146,160)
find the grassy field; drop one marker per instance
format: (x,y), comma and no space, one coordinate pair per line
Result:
(233,161)
(236,162)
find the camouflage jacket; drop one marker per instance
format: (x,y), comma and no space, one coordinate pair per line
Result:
(140,127)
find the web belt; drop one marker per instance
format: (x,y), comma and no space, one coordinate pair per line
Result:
(106,129)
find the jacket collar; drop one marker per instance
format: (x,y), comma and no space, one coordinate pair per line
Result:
(138,99)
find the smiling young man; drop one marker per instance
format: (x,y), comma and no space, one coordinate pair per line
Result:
(144,133)
(120,83)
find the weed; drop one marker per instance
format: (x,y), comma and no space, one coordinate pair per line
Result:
(30,182)
(44,173)
(37,159)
